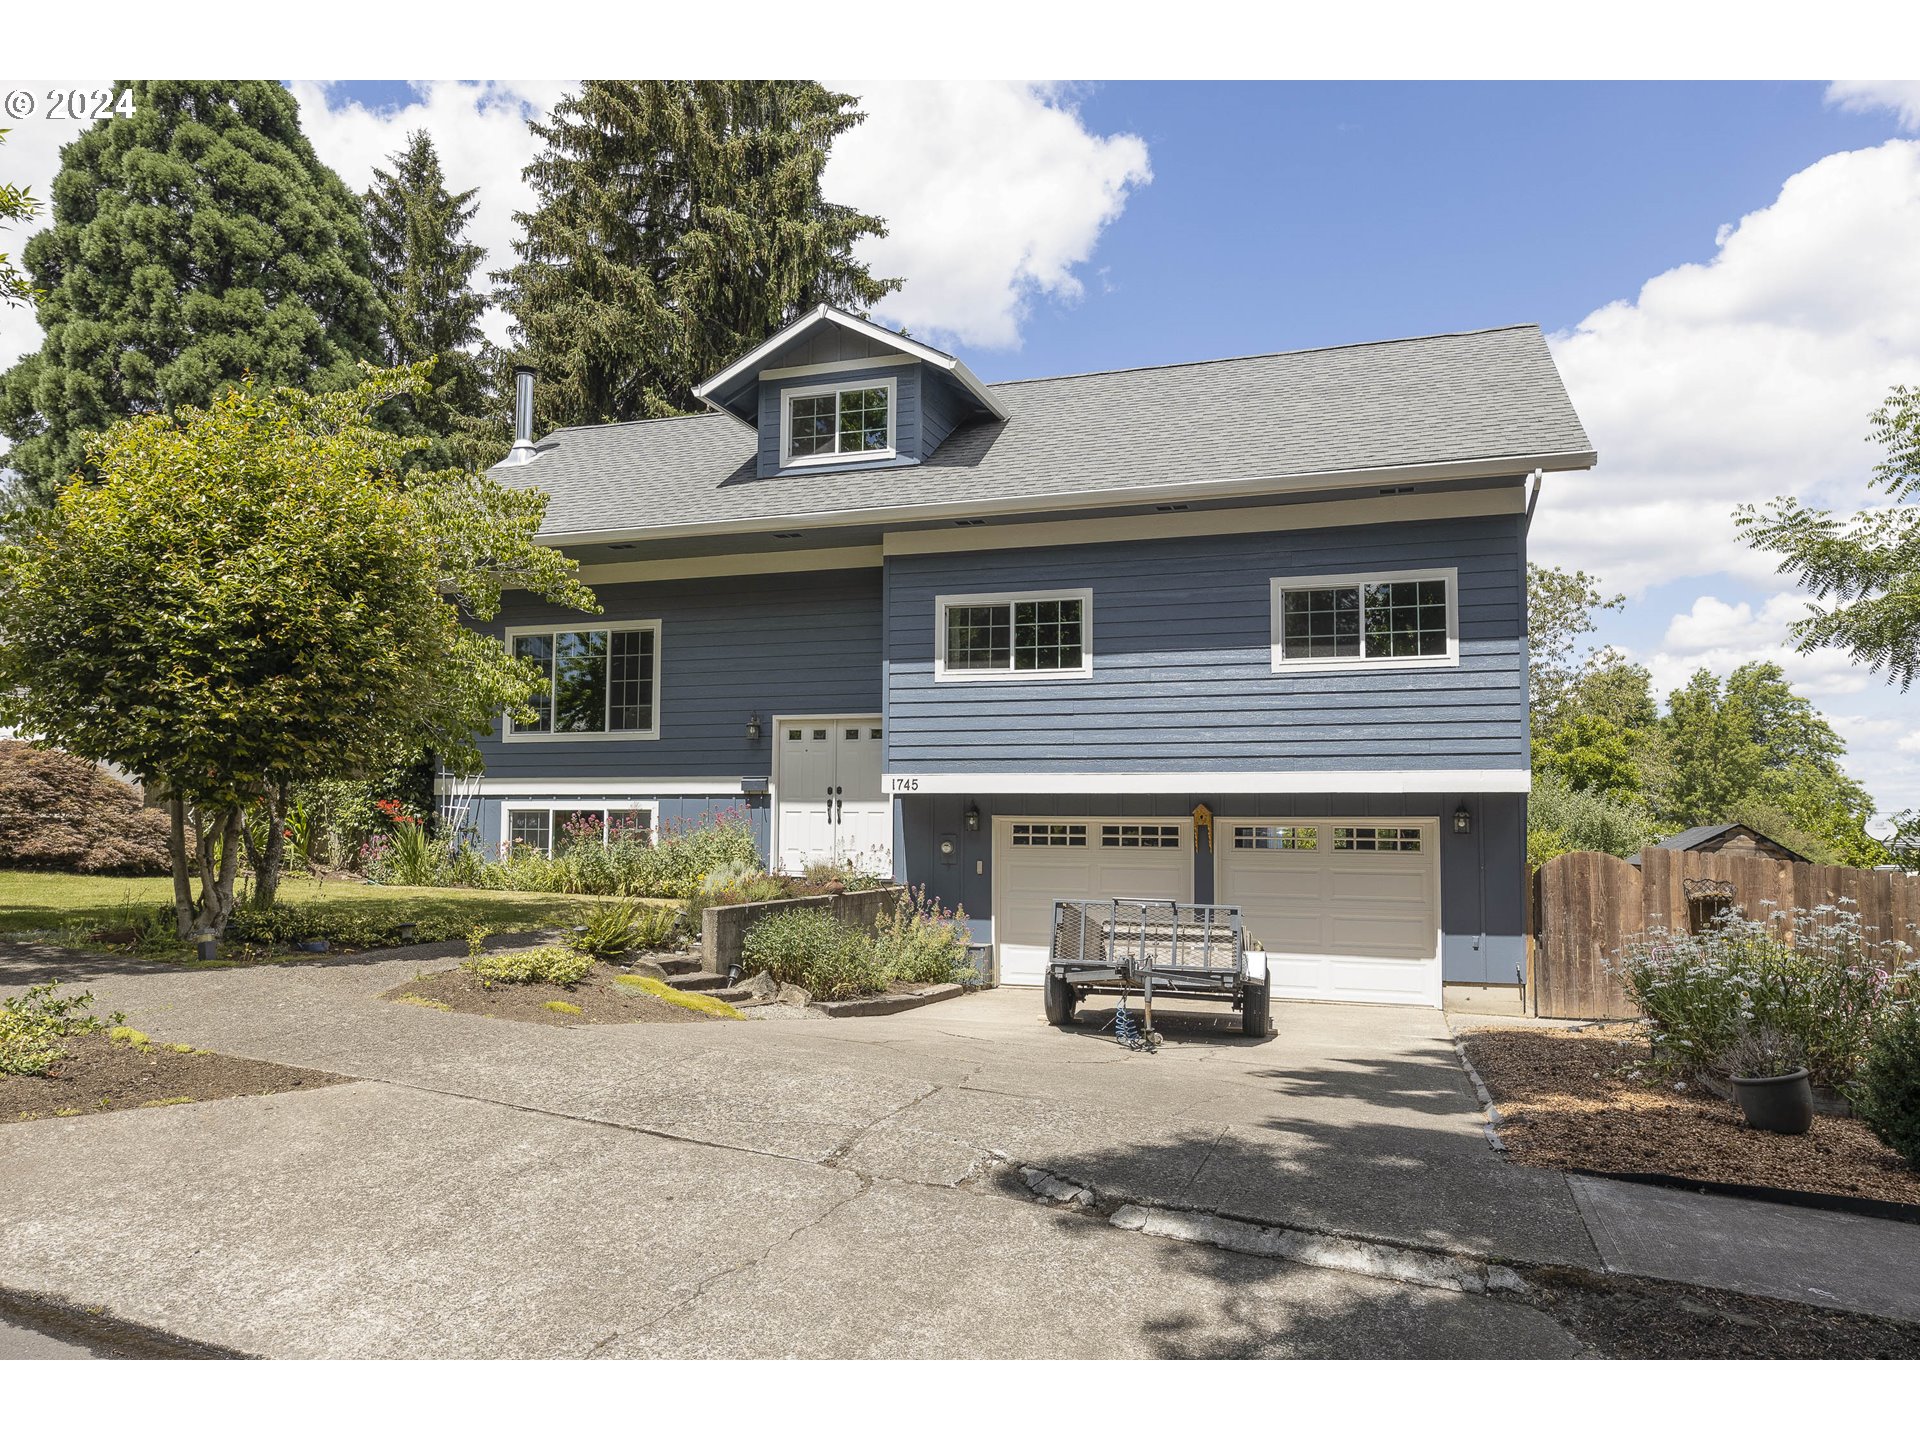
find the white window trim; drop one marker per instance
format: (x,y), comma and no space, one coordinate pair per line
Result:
(1338,663)
(942,603)
(557,627)
(608,808)
(837,456)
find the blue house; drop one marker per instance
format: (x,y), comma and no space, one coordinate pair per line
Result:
(1250,631)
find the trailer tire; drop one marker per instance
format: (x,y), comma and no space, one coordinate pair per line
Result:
(1256,1011)
(1060,1000)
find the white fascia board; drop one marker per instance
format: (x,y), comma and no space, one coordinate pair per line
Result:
(638,788)
(1217,782)
(1495,467)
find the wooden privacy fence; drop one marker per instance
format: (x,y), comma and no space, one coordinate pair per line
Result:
(1587,905)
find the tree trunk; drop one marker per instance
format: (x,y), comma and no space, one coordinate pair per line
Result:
(218,852)
(177,855)
(269,865)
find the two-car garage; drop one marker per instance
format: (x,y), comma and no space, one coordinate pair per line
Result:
(1347,908)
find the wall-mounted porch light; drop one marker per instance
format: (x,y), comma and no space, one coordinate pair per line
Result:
(973,819)
(1462,821)
(753,726)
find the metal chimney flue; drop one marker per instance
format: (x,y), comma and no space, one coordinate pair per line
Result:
(522,450)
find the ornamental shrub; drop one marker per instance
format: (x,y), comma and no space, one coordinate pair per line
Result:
(922,944)
(1560,819)
(34,1026)
(623,925)
(59,812)
(809,948)
(546,965)
(1886,1093)
(1817,977)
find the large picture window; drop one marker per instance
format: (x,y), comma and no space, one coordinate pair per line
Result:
(601,681)
(1041,636)
(831,422)
(1408,620)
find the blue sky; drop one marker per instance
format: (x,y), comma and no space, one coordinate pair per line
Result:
(1729,274)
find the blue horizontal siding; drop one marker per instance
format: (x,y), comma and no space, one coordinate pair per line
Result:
(729,645)
(1182,670)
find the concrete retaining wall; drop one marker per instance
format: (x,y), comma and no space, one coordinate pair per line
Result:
(723,928)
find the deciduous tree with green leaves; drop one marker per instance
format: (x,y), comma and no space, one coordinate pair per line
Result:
(16,204)
(195,242)
(256,592)
(1867,566)
(1561,605)
(679,223)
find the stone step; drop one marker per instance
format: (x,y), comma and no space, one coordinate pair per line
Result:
(697,980)
(677,964)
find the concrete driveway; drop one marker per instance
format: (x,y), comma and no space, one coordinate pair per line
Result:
(790,1186)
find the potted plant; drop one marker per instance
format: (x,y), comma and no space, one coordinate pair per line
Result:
(1770,1082)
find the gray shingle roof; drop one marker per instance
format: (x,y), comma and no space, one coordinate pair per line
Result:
(1481,396)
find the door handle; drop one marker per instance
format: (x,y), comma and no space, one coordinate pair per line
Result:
(839,805)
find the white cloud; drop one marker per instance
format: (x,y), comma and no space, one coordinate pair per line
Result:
(1862,96)
(1722,637)
(480,130)
(1744,377)
(993,193)
(31,158)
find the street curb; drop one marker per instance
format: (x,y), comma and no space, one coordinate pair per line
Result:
(886,1004)
(1380,1260)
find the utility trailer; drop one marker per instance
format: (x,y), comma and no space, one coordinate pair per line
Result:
(1155,948)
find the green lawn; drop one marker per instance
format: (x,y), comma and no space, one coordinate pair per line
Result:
(37,900)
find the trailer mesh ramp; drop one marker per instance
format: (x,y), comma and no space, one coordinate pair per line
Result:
(1138,937)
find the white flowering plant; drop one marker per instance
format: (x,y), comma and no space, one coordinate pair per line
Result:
(1818,978)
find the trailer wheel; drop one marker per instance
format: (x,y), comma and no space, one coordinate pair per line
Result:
(1060,1000)
(1256,1014)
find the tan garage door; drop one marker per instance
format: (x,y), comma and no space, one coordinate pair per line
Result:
(1038,861)
(1347,909)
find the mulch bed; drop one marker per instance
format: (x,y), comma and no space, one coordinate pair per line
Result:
(1568,1102)
(102,1074)
(601,1001)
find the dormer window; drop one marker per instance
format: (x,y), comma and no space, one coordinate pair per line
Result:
(821,424)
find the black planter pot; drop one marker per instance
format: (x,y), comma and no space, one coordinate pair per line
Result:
(1780,1103)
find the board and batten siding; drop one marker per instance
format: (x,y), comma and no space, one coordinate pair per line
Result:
(1182,667)
(730,646)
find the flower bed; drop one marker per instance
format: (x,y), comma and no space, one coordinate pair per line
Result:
(1590,1100)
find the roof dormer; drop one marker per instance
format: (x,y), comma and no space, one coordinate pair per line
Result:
(835,392)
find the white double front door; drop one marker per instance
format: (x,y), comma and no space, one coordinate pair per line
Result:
(827,796)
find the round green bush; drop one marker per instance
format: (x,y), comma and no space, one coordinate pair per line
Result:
(1886,1092)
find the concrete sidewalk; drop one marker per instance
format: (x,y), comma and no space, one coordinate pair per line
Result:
(748,1189)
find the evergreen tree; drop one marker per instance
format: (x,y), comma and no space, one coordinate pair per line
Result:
(423,267)
(194,242)
(679,224)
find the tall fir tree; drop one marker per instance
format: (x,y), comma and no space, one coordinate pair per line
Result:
(196,241)
(679,224)
(423,267)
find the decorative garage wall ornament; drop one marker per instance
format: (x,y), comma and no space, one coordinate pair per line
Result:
(1202,825)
